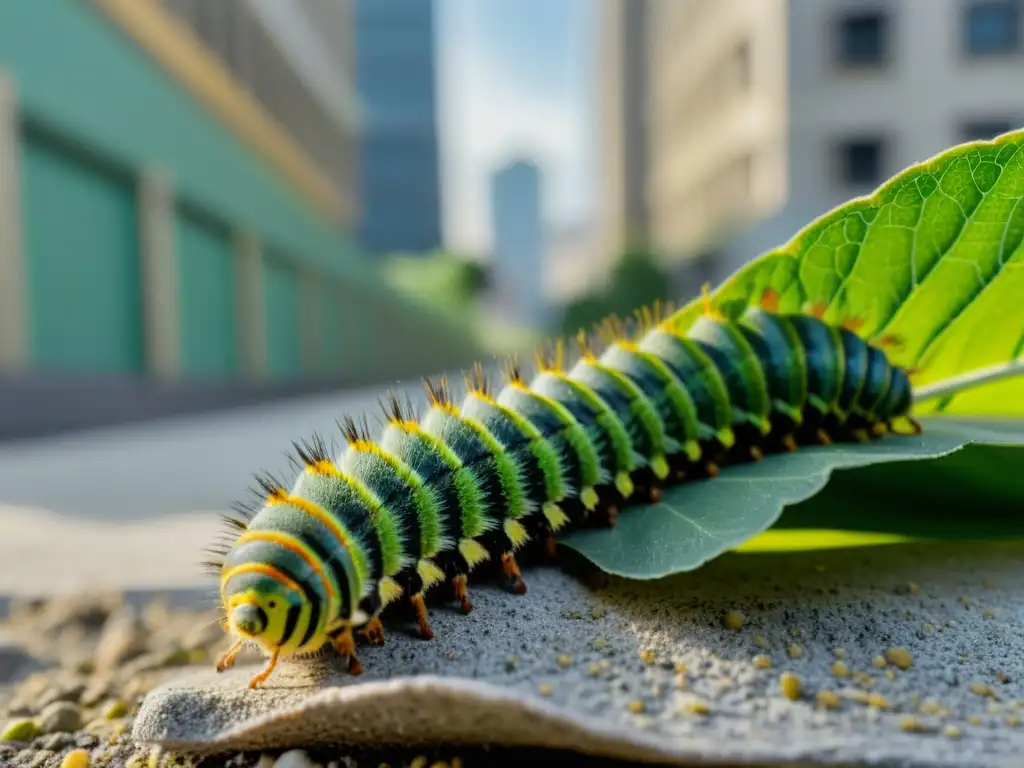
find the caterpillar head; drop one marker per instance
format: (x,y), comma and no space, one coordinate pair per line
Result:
(264,611)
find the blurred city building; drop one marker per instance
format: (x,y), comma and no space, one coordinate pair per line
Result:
(399,174)
(519,244)
(756,116)
(177,187)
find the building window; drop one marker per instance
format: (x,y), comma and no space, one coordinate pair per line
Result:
(859,162)
(863,39)
(985,129)
(992,27)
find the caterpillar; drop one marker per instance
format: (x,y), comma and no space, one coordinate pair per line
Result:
(306,568)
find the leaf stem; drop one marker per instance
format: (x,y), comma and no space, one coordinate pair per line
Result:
(976,378)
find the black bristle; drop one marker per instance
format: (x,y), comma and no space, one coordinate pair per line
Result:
(512,370)
(354,432)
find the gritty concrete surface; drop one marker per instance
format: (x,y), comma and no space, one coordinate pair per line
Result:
(649,670)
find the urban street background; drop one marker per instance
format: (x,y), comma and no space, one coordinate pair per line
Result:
(225,224)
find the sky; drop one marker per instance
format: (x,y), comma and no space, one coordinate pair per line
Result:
(514,79)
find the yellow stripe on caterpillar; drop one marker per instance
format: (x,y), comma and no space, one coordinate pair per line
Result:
(389,590)
(589,498)
(555,516)
(429,573)
(516,533)
(473,552)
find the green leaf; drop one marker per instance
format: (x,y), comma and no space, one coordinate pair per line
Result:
(697,521)
(933,259)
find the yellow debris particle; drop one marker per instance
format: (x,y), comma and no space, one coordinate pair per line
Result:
(733,620)
(790,685)
(861,697)
(761,641)
(864,679)
(878,701)
(909,723)
(762,662)
(890,675)
(930,707)
(982,689)
(840,653)
(565,660)
(795,631)
(928,627)
(974,719)
(1012,720)
(680,667)
(649,656)
(839,669)
(597,668)
(598,612)
(681,682)
(993,708)
(636,706)
(828,699)
(794,651)
(965,601)
(878,661)
(900,657)
(697,708)
(912,588)
(989,614)
(510,662)
(952,732)
(600,643)
(545,689)
(77,758)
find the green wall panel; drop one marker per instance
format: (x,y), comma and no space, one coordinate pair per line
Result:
(80,74)
(207,294)
(281,297)
(84,281)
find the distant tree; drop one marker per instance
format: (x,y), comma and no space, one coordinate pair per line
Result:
(635,281)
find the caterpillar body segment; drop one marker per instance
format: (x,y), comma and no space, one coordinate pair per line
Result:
(467,485)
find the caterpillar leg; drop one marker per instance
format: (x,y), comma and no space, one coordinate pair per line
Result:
(345,644)
(756,453)
(511,569)
(550,547)
(789,443)
(823,437)
(227,661)
(374,631)
(711,468)
(422,618)
(461,583)
(262,675)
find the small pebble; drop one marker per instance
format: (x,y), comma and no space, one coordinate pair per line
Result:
(794,651)
(761,641)
(840,653)
(20,730)
(636,706)
(878,661)
(790,685)
(900,657)
(974,719)
(648,656)
(839,669)
(295,758)
(762,662)
(77,758)
(828,699)
(545,689)
(878,701)
(734,620)
(982,689)
(930,707)
(565,660)
(952,732)
(60,716)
